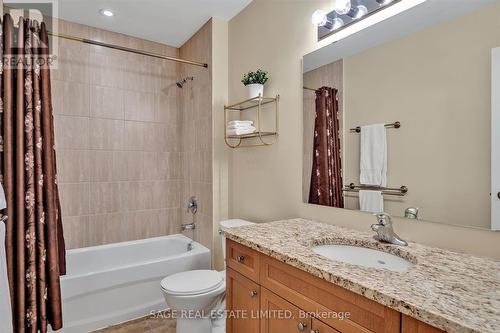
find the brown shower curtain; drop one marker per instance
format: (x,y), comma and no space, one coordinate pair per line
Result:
(34,237)
(326,175)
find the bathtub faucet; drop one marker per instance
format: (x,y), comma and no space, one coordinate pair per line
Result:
(188,226)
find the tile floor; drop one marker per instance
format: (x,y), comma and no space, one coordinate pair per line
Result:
(143,325)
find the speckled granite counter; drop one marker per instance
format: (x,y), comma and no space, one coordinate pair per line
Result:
(452,291)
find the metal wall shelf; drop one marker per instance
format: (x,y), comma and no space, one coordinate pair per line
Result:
(256,103)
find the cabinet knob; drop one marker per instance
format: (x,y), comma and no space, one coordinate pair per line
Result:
(315,331)
(301,327)
(240,258)
(498,195)
(253,293)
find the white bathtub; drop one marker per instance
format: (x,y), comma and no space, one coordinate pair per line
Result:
(113,283)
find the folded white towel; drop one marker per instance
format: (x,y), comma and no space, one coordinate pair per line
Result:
(371,201)
(240,131)
(240,122)
(239,126)
(373,158)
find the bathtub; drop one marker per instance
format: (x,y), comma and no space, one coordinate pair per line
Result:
(110,284)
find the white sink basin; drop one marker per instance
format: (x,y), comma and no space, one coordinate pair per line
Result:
(363,256)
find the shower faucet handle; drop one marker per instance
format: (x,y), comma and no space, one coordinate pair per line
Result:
(192,205)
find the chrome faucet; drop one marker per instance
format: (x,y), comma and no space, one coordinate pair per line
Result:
(193,208)
(385,232)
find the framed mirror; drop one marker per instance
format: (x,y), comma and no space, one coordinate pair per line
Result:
(404,116)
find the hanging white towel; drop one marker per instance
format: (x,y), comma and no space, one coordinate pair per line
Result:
(373,159)
(371,201)
(5,308)
(3,202)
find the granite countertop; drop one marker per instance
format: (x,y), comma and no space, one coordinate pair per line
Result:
(453,291)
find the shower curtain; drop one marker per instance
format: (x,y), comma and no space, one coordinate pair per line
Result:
(326,176)
(34,238)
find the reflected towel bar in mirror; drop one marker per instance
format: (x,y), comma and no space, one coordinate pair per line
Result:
(385,190)
(396,124)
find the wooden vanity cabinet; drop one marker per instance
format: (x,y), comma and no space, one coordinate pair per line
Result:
(412,325)
(272,289)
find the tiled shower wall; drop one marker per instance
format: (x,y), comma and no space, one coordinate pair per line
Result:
(196,134)
(118,126)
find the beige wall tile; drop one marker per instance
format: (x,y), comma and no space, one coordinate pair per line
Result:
(106,134)
(140,106)
(105,198)
(128,165)
(134,135)
(75,199)
(71,132)
(119,134)
(101,166)
(106,102)
(73,166)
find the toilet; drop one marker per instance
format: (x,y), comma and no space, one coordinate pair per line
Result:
(192,295)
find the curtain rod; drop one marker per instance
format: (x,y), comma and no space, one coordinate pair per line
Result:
(126,49)
(306,88)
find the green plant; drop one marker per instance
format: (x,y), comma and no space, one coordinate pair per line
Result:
(259,77)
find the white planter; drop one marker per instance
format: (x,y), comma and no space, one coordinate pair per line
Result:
(255,89)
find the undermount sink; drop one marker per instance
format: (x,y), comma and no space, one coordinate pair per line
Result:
(363,256)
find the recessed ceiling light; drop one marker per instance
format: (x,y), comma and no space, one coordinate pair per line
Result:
(106,12)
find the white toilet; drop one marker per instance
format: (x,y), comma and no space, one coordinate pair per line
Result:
(192,295)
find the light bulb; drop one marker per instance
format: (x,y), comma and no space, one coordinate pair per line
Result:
(337,23)
(319,18)
(358,12)
(384,2)
(106,12)
(342,6)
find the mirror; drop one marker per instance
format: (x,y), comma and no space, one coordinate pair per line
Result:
(431,75)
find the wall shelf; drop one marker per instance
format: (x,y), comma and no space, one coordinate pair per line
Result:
(253,104)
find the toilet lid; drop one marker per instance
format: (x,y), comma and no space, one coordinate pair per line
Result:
(192,282)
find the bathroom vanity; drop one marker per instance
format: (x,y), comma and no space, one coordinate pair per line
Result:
(276,283)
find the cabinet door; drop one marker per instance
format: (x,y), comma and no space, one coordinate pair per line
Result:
(320,327)
(412,325)
(280,316)
(242,302)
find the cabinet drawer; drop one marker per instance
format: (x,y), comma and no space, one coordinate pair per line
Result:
(243,260)
(281,316)
(333,303)
(320,327)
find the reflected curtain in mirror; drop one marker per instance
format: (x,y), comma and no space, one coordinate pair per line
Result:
(34,236)
(326,175)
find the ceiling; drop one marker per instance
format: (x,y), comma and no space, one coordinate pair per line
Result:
(171,22)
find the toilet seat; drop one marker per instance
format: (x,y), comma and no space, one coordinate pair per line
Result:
(192,282)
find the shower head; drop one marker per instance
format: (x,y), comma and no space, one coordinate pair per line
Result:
(180,83)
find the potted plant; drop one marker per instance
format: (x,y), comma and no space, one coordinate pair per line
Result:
(254,81)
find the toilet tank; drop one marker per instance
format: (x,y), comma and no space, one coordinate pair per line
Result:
(226,224)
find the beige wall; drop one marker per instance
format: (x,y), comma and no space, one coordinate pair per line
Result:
(266,182)
(330,75)
(196,134)
(221,153)
(116,138)
(442,151)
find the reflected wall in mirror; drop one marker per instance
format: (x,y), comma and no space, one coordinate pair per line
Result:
(433,74)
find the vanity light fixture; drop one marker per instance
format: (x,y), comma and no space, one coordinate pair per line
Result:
(106,12)
(339,23)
